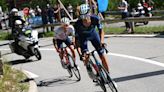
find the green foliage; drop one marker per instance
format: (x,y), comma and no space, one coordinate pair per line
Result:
(3,4)
(159,4)
(10,82)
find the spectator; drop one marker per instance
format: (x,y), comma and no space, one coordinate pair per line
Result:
(62,12)
(32,12)
(70,10)
(38,11)
(26,12)
(123,7)
(44,18)
(57,12)
(50,13)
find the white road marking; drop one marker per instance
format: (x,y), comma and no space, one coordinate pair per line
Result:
(118,55)
(138,58)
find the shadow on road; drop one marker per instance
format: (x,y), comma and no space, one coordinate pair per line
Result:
(4,44)
(137,76)
(20,61)
(46,45)
(65,80)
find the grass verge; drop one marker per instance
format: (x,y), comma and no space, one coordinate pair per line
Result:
(11,80)
(137,30)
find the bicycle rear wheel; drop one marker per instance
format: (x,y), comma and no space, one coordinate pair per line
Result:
(74,68)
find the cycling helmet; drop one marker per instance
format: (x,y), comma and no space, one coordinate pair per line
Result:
(14,10)
(139,4)
(84,9)
(65,20)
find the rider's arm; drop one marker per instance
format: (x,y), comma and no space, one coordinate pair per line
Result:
(55,44)
(55,40)
(101,31)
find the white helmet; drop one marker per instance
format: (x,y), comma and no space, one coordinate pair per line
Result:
(84,9)
(65,20)
(14,10)
(139,4)
(18,22)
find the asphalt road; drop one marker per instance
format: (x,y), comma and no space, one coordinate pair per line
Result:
(136,64)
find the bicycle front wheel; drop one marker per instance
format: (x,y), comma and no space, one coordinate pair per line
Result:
(101,83)
(74,68)
(68,65)
(111,83)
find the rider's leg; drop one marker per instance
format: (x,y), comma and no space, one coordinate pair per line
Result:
(59,46)
(104,61)
(73,51)
(84,49)
(71,47)
(97,44)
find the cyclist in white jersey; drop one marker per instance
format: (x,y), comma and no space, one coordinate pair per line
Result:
(61,36)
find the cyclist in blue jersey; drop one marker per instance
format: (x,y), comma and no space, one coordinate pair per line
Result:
(85,30)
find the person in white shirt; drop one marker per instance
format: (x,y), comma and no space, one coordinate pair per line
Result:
(61,36)
(123,7)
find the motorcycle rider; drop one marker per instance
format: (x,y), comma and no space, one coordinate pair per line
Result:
(12,20)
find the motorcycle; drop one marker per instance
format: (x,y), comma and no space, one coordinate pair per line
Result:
(27,44)
(139,12)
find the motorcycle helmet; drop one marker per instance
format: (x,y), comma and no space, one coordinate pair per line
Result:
(14,10)
(65,20)
(18,24)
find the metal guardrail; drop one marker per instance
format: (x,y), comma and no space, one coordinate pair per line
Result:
(130,19)
(119,12)
(135,19)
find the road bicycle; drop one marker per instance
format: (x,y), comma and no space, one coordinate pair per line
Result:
(98,73)
(69,64)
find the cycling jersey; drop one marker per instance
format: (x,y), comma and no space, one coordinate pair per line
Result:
(83,34)
(81,29)
(61,35)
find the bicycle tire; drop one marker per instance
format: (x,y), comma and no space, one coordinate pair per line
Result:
(69,71)
(99,78)
(68,66)
(74,69)
(101,83)
(109,80)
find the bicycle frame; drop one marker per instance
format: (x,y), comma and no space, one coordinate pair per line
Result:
(70,64)
(102,76)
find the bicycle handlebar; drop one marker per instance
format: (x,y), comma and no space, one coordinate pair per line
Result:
(104,46)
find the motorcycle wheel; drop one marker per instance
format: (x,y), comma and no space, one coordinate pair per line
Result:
(146,22)
(37,54)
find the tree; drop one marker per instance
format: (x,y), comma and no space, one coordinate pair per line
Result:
(3,4)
